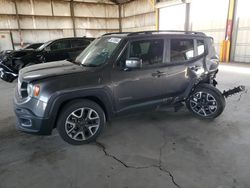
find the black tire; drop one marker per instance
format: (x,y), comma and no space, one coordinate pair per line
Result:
(215,97)
(68,114)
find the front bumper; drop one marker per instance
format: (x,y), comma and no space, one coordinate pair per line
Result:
(28,118)
(29,123)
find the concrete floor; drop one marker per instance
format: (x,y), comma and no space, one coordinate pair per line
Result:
(158,149)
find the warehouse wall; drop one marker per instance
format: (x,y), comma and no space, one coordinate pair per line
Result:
(212,23)
(241,41)
(172,16)
(138,15)
(42,20)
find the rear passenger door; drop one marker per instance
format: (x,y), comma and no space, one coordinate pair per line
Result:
(182,54)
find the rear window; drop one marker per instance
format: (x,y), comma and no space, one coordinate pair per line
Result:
(60,45)
(200,47)
(79,43)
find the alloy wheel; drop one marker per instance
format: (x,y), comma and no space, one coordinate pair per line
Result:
(82,124)
(203,103)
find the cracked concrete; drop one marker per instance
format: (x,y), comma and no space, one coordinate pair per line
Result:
(155,149)
(159,166)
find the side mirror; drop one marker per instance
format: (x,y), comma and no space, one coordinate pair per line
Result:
(133,63)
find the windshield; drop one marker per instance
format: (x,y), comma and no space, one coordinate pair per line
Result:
(98,52)
(44,45)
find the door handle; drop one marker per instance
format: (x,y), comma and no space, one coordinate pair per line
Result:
(158,74)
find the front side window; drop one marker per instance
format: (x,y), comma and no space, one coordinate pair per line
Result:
(98,52)
(181,50)
(60,45)
(149,51)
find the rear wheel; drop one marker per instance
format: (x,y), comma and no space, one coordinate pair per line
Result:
(80,122)
(206,102)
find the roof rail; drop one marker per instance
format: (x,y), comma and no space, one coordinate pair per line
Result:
(166,31)
(156,31)
(116,33)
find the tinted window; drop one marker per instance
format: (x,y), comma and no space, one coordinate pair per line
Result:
(150,51)
(181,50)
(200,47)
(59,45)
(33,46)
(79,43)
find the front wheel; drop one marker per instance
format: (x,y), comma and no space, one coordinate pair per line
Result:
(206,102)
(80,122)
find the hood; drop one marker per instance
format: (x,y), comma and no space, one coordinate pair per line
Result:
(5,56)
(46,70)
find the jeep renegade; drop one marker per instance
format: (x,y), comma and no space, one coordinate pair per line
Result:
(119,73)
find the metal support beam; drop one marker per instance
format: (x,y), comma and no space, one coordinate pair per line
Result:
(12,41)
(156,11)
(72,13)
(235,28)
(226,46)
(120,17)
(187,17)
(156,19)
(18,24)
(52,7)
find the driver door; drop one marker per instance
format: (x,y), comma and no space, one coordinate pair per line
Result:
(138,88)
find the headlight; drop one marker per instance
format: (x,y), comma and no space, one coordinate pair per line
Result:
(33,90)
(36,90)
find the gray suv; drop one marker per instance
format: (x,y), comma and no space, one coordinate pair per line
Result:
(118,74)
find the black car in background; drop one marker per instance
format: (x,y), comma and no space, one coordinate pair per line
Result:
(34,46)
(54,50)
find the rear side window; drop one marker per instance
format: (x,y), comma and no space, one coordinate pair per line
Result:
(150,51)
(181,49)
(79,43)
(60,45)
(200,47)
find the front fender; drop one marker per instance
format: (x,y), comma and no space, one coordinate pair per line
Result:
(59,99)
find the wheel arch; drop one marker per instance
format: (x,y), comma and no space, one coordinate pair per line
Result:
(61,101)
